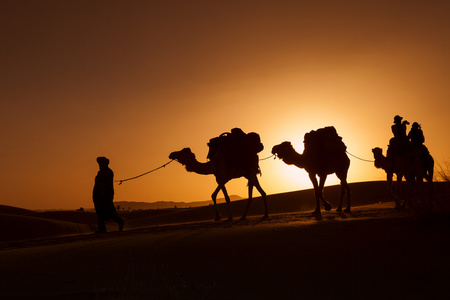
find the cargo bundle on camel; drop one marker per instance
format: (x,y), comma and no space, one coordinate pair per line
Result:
(231,155)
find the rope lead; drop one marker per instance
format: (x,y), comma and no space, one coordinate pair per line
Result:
(266,157)
(359,157)
(120,181)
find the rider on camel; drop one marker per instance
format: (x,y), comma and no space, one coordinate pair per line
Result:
(416,135)
(399,143)
(417,139)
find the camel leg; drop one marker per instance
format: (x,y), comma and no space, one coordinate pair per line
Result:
(326,204)
(391,191)
(249,201)
(399,190)
(214,197)
(343,182)
(316,192)
(347,187)
(263,195)
(410,186)
(227,199)
(255,183)
(344,189)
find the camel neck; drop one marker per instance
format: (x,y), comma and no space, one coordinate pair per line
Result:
(295,158)
(200,168)
(381,162)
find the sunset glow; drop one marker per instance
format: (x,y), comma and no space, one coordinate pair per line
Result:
(134,81)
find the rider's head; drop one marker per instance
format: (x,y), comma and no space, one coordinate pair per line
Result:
(398,119)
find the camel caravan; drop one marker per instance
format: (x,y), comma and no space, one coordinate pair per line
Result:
(407,157)
(235,154)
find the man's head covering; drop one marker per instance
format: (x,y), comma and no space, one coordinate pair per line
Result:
(102,160)
(397,119)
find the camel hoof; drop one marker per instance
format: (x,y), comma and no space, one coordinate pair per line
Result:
(243,218)
(347,210)
(265,217)
(230,219)
(218,218)
(339,209)
(327,206)
(316,213)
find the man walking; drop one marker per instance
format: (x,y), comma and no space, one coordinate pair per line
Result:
(103,196)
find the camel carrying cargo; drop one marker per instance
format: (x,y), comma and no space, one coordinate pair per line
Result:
(231,155)
(238,147)
(324,154)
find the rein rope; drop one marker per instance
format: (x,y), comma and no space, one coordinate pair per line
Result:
(359,157)
(120,181)
(266,157)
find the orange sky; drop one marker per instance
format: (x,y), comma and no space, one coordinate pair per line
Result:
(136,80)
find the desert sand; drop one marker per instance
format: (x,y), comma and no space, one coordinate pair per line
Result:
(374,252)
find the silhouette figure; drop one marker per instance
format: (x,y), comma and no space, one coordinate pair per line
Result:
(415,135)
(324,154)
(399,127)
(417,139)
(231,155)
(399,143)
(103,196)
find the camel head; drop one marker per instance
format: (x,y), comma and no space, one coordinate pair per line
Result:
(378,155)
(283,151)
(183,156)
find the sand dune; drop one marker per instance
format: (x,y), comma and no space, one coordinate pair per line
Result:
(374,252)
(17,227)
(5,209)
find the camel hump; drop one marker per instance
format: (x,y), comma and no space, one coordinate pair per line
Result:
(236,143)
(324,139)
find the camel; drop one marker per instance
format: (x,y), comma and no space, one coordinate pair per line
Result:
(220,167)
(318,163)
(400,166)
(408,165)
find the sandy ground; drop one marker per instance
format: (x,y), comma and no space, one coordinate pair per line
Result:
(374,252)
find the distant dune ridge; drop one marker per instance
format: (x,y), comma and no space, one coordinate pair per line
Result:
(132,205)
(19,224)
